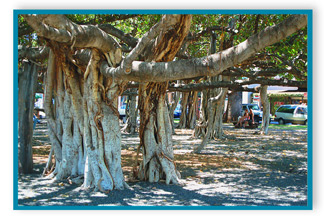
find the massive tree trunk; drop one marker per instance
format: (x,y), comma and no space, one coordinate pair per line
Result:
(266,109)
(27,81)
(63,133)
(102,135)
(83,122)
(155,128)
(155,136)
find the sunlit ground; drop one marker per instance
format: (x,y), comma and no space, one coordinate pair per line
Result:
(249,170)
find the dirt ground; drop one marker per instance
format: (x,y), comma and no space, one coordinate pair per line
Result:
(250,170)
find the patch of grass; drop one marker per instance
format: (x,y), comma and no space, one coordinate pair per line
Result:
(176,121)
(288,127)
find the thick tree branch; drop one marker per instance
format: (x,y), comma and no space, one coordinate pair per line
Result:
(235,85)
(166,22)
(239,85)
(218,97)
(239,72)
(61,29)
(211,65)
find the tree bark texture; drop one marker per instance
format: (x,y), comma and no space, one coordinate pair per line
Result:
(189,103)
(26,95)
(215,107)
(155,129)
(213,126)
(130,125)
(83,122)
(234,106)
(266,109)
(201,125)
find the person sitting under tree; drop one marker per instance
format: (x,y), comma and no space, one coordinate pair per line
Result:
(35,121)
(244,118)
(250,120)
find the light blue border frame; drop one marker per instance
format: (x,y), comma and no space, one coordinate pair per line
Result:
(170,11)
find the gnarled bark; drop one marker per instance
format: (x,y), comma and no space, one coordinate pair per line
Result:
(189,103)
(131,114)
(155,129)
(155,136)
(214,127)
(101,131)
(83,122)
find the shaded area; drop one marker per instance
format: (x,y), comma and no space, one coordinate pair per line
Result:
(249,170)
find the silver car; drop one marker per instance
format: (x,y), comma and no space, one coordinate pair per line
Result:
(296,114)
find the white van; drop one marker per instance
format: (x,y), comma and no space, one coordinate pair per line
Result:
(296,114)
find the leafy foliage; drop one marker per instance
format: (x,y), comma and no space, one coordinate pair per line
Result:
(289,54)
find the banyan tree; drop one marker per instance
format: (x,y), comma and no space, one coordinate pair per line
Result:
(91,60)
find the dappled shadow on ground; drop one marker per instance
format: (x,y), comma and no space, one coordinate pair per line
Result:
(251,170)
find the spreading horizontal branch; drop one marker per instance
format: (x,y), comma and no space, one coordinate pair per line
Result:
(239,85)
(60,29)
(210,65)
(271,72)
(235,85)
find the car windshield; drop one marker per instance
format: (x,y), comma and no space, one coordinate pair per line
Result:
(302,110)
(254,107)
(287,109)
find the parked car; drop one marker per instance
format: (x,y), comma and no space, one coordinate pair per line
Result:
(296,114)
(177,111)
(122,112)
(255,109)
